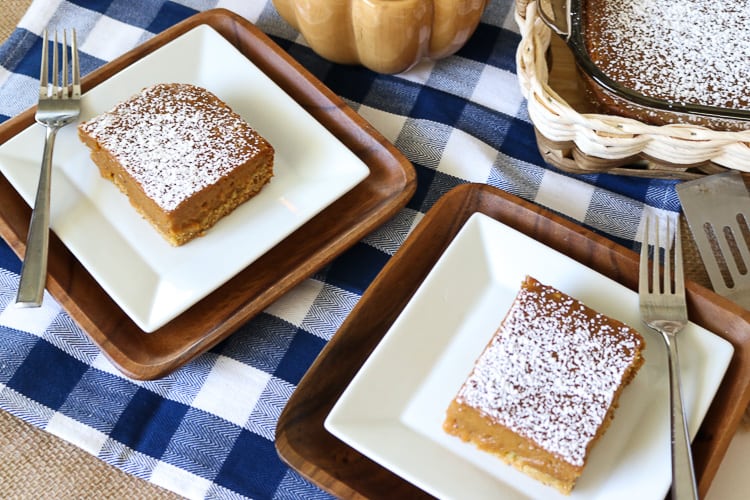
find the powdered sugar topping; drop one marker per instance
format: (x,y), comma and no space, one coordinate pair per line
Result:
(551,371)
(174,140)
(683,51)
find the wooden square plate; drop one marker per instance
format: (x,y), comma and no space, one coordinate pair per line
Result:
(253,284)
(301,438)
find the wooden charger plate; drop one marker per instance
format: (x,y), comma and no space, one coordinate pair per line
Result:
(304,444)
(386,190)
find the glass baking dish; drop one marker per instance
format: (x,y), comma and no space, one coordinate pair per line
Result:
(568,19)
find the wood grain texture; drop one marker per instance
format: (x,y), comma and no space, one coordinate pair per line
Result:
(391,182)
(304,444)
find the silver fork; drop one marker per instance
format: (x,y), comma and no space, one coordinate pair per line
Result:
(663,309)
(59,104)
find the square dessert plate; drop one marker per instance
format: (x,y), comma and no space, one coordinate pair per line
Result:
(393,409)
(112,271)
(150,280)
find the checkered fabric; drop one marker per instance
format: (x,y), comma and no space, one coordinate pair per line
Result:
(207,429)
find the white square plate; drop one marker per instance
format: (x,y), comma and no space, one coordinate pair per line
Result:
(150,280)
(393,409)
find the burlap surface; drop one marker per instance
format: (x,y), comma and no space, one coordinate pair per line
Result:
(35,464)
(13,11)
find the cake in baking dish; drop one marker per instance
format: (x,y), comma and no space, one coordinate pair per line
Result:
(682,51)
(545,388)
(181,155)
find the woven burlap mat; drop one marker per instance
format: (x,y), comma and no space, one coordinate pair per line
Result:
(35,464)
(13,11)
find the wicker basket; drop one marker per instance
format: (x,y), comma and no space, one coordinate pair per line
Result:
(582,142)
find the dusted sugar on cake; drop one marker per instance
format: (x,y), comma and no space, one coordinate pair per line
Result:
(181,155)
(681,51)
(545,388)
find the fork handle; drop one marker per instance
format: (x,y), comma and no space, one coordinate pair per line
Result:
(34,269)
(683,474)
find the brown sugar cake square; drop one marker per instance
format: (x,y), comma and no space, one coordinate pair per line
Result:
(181,155)
(545,387)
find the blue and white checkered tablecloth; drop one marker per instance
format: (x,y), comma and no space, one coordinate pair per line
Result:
(207,429)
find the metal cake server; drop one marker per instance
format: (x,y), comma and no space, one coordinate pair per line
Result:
(717,209)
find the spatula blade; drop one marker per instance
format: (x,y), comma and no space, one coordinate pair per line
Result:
(717,209)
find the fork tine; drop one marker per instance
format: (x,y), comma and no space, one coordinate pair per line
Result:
(643,287)
(44,70)
(66,72)
(64,84)
(667,275)
(679,272)
(55,68)
(76,65)
(65,64)
(656,262)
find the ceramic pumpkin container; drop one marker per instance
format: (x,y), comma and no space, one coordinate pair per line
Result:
(387,36)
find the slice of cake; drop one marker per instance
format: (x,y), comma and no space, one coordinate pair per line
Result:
(181,155)
(545,388)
